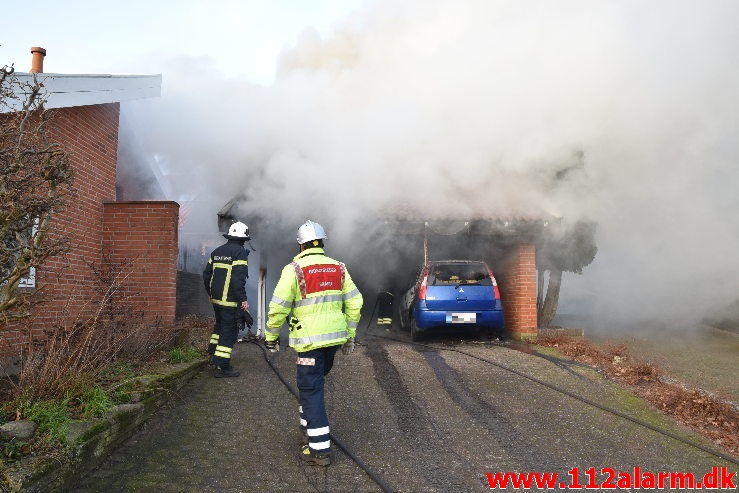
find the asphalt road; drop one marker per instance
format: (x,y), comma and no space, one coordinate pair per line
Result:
(423,418)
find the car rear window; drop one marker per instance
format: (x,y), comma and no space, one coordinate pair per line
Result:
(445,274)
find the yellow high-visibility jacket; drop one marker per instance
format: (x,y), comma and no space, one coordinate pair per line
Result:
(324,302)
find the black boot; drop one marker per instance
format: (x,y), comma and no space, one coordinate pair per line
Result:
(227,372)
(312,457)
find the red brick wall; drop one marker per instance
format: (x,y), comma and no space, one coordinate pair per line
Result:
(90,133)
(518,290)
(144,234)
(66,284)
(69,289)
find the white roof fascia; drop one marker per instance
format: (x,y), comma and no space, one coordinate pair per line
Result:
(67,90)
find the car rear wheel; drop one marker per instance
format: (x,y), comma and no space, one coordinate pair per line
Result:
(402,317)
(416,334)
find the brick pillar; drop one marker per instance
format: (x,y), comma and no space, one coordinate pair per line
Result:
(145,233)
(518,290)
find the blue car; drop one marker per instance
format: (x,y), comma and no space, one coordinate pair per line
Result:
(449,293)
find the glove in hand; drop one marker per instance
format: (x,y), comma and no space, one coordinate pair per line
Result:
(348,346)
(272,346)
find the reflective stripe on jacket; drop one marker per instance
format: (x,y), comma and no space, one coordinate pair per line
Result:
(225,275)
(324,302)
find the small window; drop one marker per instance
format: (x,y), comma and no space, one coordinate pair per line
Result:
(30,280)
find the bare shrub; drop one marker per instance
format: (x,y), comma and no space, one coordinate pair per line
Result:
(195,331)
(67,358)
(614,349)
(634,373)
(574,348)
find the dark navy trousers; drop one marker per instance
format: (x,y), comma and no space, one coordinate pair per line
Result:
(312,368)
(224,335)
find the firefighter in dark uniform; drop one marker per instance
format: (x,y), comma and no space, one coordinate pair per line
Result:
(225,281)
(385,309)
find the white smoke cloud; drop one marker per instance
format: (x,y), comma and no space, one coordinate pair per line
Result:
(439,108)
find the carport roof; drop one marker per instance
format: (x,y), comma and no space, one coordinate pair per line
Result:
(510,224)
(510,227)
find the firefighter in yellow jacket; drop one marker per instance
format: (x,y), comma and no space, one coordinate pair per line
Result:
(324,305)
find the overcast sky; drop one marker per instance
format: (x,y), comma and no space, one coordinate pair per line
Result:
(341,109)
(240,38)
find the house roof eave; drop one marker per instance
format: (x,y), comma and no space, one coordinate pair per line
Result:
(69,90)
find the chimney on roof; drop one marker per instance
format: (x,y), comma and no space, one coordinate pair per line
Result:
(37,60)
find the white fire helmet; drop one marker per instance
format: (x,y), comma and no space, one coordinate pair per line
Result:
(310,231)
(238,231)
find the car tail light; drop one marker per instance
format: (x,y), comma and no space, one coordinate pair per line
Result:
(496,291)
(422,287)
